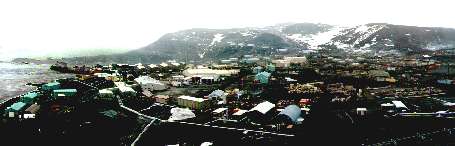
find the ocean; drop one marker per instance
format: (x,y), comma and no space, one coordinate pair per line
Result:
(14,77)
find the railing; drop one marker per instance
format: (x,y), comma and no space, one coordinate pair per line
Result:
(419,137)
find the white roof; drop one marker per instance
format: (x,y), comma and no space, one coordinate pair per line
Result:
(175,64)
(102,74)
(263,107)
(387,104)
(163,64)
(140,67)
(125,89)
(205,71)
(192,98)
(219,110)
(152,66)
(178,76)
(361,109)
(147,80)
(240,112)
(181,114)
(399,104)
(105,91)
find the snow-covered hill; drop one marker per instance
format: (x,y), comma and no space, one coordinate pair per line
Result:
(289,39)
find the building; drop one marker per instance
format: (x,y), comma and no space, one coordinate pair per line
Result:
(51,86)
(270,68)
(289,115)
(208,73)
(124,89)
(164,99)
(193,102)
(106,94)
(225,61)
(378,75)
(217,94)
(296,60)
(260,113)
(263,77)
(445,82)
(281,63)
(15,109)
(30,97)
(399,106)
(251,60)
(220,112)
(361,111)
(148,83)
(31,111)
(63,92)
(257,69)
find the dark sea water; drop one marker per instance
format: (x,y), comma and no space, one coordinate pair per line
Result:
(14,77)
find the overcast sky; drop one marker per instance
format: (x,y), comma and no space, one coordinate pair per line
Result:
(40,27)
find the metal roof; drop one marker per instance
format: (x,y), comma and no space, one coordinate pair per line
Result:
(65,91)
(399,104)
(240,112)
(219,110)
(17,106)
(31,95)
(292,111)
(263,107)
(192,98)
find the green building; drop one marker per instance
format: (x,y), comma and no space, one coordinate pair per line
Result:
(51,86)
(270,68)
(30,97)
(263,77)
(15,108)
(64,92)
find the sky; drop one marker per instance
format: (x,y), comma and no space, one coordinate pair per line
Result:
(46,27)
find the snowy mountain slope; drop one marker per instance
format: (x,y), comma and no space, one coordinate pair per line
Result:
(288,39)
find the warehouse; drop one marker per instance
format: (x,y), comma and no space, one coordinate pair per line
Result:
(193,102)
(31,111)
(105,94)
(164,99)
(261,112)
(148,83)
(289,115)
(205,72)
(399,106)
(125,90)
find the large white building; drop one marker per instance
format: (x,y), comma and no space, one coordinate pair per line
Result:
(148,83)
(205,73)
(124,89)
(287,61)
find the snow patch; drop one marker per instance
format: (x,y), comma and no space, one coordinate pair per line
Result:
(365,31)
(314,40)
(201,55)
(246,34)
(217,38)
